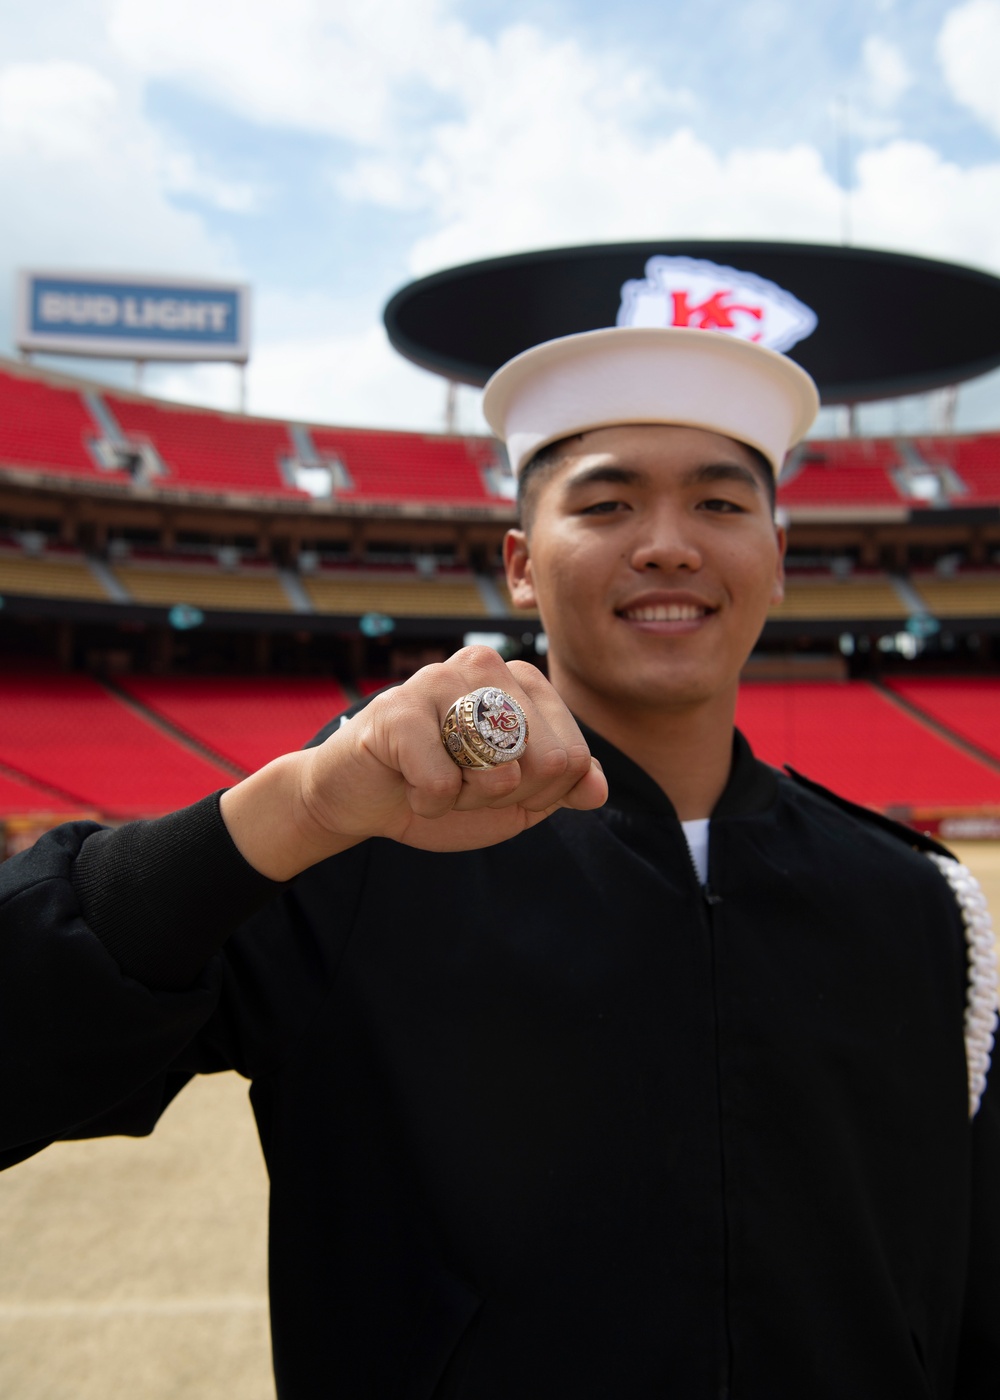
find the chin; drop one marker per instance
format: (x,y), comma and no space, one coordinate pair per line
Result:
(656,693)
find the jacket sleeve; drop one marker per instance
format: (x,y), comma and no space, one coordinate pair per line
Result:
(979,1354)
(109,969)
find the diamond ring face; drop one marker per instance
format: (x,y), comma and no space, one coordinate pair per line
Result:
(500,722)
(484,728)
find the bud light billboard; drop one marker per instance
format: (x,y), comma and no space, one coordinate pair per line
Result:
(132,317)
(866,324)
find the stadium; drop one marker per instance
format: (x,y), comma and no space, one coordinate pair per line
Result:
(187,593)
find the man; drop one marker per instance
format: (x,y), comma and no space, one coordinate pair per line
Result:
(664,1095)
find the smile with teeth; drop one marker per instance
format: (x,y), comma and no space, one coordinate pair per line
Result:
(665,612)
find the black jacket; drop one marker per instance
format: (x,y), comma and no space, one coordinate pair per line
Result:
(548,1119)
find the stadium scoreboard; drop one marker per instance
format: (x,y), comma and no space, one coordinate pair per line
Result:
(132,317)
(865,323)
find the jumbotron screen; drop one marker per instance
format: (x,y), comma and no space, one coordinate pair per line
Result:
(865,324)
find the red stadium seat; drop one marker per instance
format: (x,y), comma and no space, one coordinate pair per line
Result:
(248,720)
(976,460)
(968,706)
(72,734)
(210,451)
(852,738)
(409,466)
(848,471)
(45,427)
(19,796)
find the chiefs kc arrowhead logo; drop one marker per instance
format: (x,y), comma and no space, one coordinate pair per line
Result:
(703,295)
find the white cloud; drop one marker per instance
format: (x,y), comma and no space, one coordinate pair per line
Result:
(183,175)
(547,151)
(908,197)
(314,65)
(352,378)
(886,70)
(969,50)
(552,144)
(89,178)
(59,110)
(495,144)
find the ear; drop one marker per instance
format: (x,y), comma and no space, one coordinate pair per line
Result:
(778,592)
(517,563)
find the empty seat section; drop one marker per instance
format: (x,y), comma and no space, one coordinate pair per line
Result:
(853,739)
(248,720)
(401,595)
(408,466)
(854,471)
(245,590)
(51,576)
(968,594)
(208,451)
(968,706)
(73,734)
(860,596)
(976,459)
(18,797)
(44,426)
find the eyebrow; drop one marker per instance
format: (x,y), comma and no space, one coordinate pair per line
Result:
(607,474)
(611,475)
(725,471)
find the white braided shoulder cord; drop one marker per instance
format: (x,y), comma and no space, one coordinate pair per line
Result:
(981,998)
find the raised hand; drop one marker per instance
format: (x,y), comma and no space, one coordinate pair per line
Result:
(387,773)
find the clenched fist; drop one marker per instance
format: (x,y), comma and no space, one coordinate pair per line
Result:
(387,773)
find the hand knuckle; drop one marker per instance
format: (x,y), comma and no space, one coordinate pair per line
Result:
(428,676)
(552,764)
(529,678)
(578,760)
(440,786)
(480,657)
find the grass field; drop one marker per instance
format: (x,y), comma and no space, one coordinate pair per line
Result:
(136,1270)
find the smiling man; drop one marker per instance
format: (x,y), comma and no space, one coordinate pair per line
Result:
(653,555)
(592,1057)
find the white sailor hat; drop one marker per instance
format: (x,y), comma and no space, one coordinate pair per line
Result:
(650,374)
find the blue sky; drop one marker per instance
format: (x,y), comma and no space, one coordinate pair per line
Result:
(327,153)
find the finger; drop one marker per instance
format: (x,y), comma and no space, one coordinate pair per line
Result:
(551,777)
(434,783)
(557,757)
(591,791)
(489,787)
(396,733)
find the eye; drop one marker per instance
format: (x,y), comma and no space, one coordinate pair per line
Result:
(721,506)
(603,508)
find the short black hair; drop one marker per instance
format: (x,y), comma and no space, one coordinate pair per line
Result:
(533,473)
(540,466)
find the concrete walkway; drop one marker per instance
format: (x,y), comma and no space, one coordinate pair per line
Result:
(136,1269)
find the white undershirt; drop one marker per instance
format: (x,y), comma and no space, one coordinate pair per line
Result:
(696,835)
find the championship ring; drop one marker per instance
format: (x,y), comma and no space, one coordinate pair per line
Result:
(484,728)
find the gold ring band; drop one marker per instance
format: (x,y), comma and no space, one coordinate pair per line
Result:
(485,728)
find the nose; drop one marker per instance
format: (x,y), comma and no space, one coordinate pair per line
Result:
(666,543)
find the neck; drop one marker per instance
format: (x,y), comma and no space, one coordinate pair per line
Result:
(687,750)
